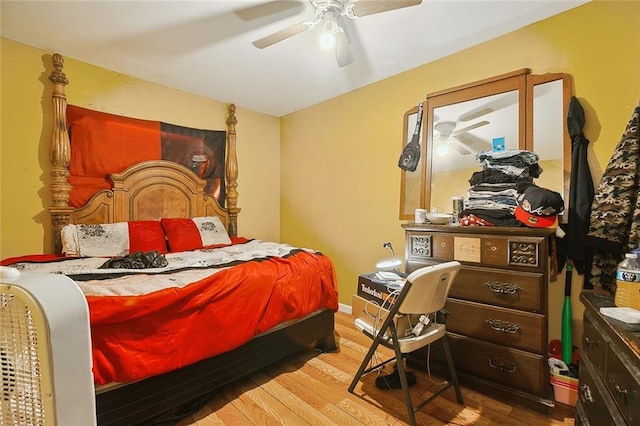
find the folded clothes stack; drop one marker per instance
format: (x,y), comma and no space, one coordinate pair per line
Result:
(493,192)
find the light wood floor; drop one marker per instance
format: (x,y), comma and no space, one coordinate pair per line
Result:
(311,388)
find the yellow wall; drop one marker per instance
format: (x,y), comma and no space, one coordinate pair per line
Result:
(347,203)
(26,128)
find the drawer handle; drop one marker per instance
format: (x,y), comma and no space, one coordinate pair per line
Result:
(523,259)
(589,342)
(502,288)
(504,326)
(585,394)
(503,368)
(621,391)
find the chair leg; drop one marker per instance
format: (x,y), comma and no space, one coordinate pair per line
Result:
(364,363)
(452,369)
(404,383)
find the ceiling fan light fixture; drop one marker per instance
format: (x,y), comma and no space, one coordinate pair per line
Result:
(442,149)
(327,14)
(327,40)
(328,36)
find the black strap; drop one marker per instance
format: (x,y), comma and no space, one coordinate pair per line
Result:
(410,155)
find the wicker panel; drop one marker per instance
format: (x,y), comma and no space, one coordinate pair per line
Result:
(23,398)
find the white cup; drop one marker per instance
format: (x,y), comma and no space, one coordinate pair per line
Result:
(421,216)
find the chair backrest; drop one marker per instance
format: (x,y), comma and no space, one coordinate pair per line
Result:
(429,288)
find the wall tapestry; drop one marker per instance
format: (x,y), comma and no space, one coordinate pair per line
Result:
(103,143)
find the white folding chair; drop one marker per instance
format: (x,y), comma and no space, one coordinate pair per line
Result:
(425,292)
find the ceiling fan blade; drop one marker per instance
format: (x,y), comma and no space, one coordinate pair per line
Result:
(476,113)
(471,127)
(496,103)
(461,147)
(283,34)
(343,50)
(371,7)
(474,143)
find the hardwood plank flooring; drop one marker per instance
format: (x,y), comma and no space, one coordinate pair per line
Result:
(310,388)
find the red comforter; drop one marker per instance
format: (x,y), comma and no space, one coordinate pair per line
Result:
(134,337)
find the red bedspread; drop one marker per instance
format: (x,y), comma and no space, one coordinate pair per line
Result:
(134,337)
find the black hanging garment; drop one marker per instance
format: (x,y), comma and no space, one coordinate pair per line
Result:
(614,227)
(580,195)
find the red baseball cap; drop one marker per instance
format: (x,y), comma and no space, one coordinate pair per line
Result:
(539,207)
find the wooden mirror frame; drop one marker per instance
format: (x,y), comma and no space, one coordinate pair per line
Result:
(521,80)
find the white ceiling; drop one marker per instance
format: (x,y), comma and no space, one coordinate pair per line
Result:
(205,47)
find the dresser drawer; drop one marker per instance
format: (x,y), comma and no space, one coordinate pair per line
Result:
(623,384)
(595,406)
(593,343)
(442,246)
(509,327)
(510,367)
(518,290)
(491,250)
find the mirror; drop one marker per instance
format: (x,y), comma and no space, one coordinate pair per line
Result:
(466,120)
(548,137)
(517,110)
(411,193)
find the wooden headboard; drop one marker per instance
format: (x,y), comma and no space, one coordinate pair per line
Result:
(145,191)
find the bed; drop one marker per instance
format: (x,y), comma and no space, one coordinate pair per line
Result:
(154,191)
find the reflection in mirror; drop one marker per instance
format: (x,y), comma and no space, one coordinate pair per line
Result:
(527,110)
(465,120)
(411,193)
(549,139)
(547,134)
(462,129)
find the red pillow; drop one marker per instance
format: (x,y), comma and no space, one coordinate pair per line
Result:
(196,233)
(146,235)
(182,234)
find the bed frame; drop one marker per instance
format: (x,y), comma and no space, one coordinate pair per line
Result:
(151,190)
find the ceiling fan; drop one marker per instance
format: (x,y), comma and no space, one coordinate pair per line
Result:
(328,15)
(465,143)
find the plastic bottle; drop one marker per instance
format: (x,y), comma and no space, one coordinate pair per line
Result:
(628,282)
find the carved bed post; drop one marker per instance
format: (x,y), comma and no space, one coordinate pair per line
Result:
(232,172)
(60,153)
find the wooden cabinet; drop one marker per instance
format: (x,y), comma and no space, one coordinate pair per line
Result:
(496,313)
(609,369)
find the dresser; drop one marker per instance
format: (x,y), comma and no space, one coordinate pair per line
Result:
(496,312)
(609,389)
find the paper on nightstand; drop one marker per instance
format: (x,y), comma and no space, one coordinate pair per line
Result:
(393,280)
(387,276)
(624,314)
